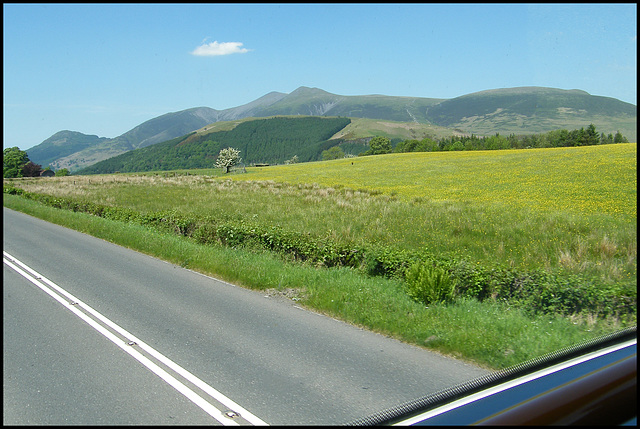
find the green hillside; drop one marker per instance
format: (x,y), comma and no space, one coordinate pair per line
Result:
(74,150)
(530,110)
(540,245)
(361,128)
(62,144)
(314,101)
(271,141)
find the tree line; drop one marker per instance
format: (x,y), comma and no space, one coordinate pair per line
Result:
(556,138)
(16,163)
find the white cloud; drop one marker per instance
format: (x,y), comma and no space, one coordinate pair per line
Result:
(214,49)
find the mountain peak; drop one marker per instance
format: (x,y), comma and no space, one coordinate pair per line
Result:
(305,91)
(526,90)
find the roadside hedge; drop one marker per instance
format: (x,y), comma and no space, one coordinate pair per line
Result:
(535,291)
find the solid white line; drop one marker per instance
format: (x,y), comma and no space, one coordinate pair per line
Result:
(37,279)
(166,361)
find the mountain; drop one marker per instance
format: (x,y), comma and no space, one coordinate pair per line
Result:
(166,127)
(62,144)
(74,153)
(248,110)
(529,110)
(523,110)
(314,101)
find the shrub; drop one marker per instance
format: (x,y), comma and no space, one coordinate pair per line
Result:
(428,283)
(386,261)
(12,190)
(205,234)
(378,145)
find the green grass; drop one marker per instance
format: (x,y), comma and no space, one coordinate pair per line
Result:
(489,334)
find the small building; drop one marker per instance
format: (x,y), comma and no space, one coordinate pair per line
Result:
(47,173)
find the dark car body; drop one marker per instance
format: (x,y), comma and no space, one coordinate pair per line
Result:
(593,383)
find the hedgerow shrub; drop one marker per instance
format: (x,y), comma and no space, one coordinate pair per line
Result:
(429,278)
(387,261)
(12,190)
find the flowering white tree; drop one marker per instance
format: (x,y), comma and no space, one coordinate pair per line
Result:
(227,158)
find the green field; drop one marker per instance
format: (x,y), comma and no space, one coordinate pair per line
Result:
(566,212)
(365,127)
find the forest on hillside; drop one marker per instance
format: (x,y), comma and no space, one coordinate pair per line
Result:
(271,141)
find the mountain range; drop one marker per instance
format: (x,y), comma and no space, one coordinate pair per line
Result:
(522,110)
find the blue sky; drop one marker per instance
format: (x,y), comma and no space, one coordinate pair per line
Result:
(105,68)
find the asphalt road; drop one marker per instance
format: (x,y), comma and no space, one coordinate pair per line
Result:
(95,333)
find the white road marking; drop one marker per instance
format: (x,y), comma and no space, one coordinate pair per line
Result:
(73,304)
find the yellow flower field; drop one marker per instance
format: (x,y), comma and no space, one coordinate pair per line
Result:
(581,180)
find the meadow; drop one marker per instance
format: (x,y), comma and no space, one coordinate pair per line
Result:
(565,211)
(561,208)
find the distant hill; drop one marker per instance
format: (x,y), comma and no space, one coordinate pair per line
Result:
(316,102)
(162,128)
(73,154)
(523,110)
(62,144)
(534,110)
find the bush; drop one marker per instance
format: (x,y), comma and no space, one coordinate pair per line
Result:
(378,145)
(428,283)
(386,261)
(12,190)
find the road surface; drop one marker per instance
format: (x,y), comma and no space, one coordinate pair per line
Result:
(95,333)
